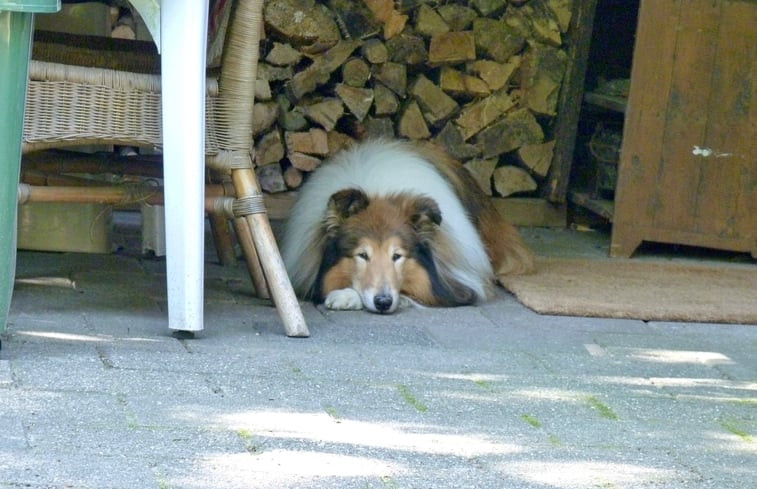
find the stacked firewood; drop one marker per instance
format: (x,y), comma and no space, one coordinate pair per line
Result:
(480,77)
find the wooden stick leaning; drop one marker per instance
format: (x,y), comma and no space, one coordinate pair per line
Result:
(236,89)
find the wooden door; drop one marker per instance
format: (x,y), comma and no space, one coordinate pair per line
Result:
(688,169)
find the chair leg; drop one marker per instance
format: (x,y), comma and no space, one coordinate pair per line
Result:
(244,235)
(183,34)
(222,239)
(246,185)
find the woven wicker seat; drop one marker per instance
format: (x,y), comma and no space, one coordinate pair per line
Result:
(71,106)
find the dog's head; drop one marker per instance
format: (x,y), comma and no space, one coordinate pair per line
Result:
(374,245)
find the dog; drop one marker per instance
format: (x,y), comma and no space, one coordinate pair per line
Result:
(391,223)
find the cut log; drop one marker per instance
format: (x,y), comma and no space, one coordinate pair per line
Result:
(461,85)
(356,72)
(458,17)
(412,125)
(270,149)
(496,75)
(529,211)
(325,113)
(541,75)
(516,129)
(537,157)
(274,73)
(384,12)
(509,180)
(262,90)
(271,178)
(379,127)
(312,142)
(496,39)
(338,141)
(357,100)
(429,23)
(283,54)
(355,19)
(482,171)
(407,5)
(374,51)
(394,24)
(263,116)
(476,116)
(452,140)
(452,48)
(303,162)
(407,49)
(292,177)
(381,9)
(489,7)
(306,24)
(394,76)
(563,12)
(536,21)
(290,118)
(384,100)
(437,106)
(320,71)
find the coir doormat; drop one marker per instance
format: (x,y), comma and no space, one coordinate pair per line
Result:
(635,289)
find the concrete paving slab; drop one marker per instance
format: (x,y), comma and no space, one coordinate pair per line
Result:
(95,391)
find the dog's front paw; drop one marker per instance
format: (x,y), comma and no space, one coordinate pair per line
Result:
(344,300)
(406,302)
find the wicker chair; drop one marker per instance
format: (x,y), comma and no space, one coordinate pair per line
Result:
(73,106)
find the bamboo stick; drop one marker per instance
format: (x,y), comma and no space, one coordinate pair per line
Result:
(244,235)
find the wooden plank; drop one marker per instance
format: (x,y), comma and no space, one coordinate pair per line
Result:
(695,185)
(686,114)
(569,103)
(644,122)
(525,211)
(725,199)
(601,207)
(609,102)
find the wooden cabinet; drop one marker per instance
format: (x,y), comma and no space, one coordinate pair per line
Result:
(688,168)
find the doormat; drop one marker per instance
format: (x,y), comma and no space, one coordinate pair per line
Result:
(634,289)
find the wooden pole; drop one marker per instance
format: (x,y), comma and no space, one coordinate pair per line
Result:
(273,266)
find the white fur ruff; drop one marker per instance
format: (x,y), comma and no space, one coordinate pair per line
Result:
(381,168)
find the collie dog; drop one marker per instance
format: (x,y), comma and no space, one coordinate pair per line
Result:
(387,223)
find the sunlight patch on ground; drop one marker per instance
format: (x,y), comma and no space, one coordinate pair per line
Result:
(684,382)
(484,396)
(702,382)
(621,380)
(586,474)
(560,395)
(678,356)
(471,377)
(733,438)
(321,427)
(53,335)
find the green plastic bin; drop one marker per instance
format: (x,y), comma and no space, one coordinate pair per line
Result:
(16,26)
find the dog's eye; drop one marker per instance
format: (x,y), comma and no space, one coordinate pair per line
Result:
(396,256)
(363,256)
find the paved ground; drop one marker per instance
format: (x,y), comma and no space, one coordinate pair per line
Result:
(95,392)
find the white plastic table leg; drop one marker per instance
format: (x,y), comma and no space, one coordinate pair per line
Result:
(183,28)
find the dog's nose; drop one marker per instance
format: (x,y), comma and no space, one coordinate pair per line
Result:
(382,302)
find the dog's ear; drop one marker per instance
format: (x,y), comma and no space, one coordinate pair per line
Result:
(425,215)
(342,205)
